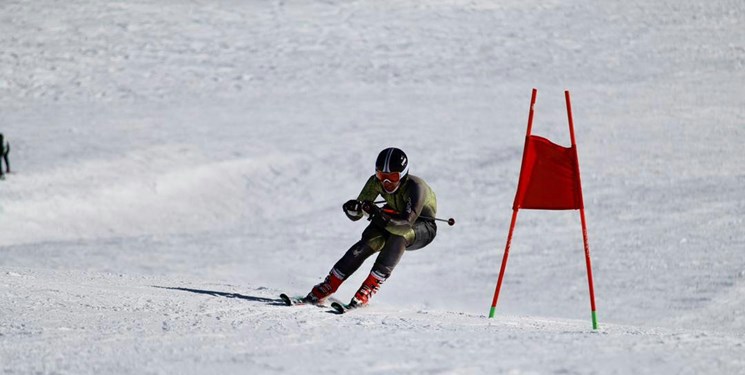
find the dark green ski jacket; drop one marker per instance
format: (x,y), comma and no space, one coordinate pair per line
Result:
(412,199)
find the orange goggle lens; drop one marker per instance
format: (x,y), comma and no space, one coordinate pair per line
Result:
(390,176)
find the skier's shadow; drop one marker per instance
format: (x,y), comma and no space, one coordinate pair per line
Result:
(271,301)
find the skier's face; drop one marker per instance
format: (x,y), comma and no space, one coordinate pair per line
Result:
(390,180)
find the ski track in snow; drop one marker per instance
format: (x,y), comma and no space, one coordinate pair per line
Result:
(178,165)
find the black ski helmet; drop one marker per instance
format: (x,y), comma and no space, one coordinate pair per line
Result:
(391,167)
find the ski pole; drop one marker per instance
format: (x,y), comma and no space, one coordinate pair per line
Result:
(450,221)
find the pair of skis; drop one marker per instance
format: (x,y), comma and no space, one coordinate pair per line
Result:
(338,306)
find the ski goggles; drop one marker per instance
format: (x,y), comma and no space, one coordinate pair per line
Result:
(390,176)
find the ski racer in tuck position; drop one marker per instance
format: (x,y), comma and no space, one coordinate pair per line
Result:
(405,222)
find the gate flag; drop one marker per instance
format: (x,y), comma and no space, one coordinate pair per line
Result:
(549,177)
(549,180)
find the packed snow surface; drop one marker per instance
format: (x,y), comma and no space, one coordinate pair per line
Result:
(178,165)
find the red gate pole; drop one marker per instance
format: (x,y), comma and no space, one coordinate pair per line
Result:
(582,216)
(514,214)
(504,264)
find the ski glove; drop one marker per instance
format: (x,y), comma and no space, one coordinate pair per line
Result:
(352,209)
(376,215)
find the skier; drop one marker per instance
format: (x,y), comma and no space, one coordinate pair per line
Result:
(4,151)
(405,222)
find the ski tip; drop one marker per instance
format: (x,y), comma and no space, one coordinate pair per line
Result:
(338,307)
(286,299)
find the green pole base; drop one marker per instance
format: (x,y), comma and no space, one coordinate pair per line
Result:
(594,320)
(491,311)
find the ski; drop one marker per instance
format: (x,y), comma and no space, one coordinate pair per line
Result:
(300,301)
(341,308)
(292,301)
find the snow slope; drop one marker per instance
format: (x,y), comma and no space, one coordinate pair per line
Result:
(178,165)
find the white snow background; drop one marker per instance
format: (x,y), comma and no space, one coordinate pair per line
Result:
(177,165)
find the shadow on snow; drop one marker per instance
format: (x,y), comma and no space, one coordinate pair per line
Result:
(272,301)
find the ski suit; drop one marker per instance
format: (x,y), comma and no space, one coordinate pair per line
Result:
(410,228)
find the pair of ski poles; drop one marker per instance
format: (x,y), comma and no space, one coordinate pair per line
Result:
(450,221)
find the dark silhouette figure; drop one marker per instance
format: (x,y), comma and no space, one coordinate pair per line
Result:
(4,151)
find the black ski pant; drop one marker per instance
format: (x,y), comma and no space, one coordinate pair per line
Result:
(390,246)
